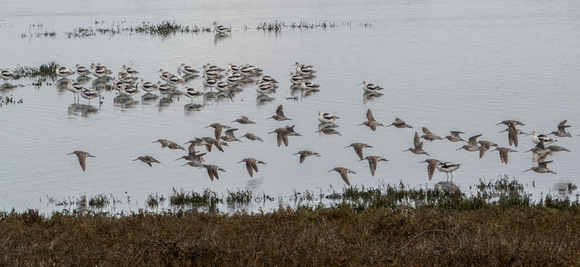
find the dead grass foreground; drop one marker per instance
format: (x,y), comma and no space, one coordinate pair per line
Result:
(330,236)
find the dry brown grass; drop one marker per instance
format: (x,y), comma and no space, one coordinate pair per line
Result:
(335,236)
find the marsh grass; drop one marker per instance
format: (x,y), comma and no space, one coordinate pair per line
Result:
(43,71)
(497,225)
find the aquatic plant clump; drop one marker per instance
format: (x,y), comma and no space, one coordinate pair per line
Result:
(44,70)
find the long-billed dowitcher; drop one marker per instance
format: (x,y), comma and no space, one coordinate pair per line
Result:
(514,122)
(212,171)
(562,130)
(555,148)
(306,153)
(82,158)
(448,168)
(282,134)
(326,117)
(218,129)
(503,153)
(169,144)
(252,137)
(343,173)
(230,136)
(429,136)
(210,142)
(371,87)
(431,166)
(542,166)
(471,144)
(280,114)
(147,159)
(252,165)
(371,121)
(373,162)
(244,120)
(358,148)
(454,137)
(485,146)
(417,148)
(194,157)
(400,124)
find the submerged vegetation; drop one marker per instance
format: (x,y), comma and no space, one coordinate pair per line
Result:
(47,70)
(377,226)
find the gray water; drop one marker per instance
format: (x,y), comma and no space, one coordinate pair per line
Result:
(445,65)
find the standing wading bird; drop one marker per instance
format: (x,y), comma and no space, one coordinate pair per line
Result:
(373,161)
(358,147)
(82,158)
(343,173)
(326,117)
(305,153)
(431,167)
(562,130)
(63,71)
(220,29)
(89,94)
(279,114)
(370,87)
(536,138)
(371,122)
(147,159)
(252,165)
(417,148)
(448,168)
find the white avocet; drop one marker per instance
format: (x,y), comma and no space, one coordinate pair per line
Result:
(149,86)
(186,70)
(130,70)
(82,70)
(306,85)
(99,71)
(325,117)
(305,70)
(6,74)
(63,71)
(371,87)
(296,78)
(89,94)
(221,28)
(191,93)
(75,88)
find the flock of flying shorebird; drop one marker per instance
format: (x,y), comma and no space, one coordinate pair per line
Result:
(127,85)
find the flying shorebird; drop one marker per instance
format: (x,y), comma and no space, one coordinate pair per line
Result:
(471,144)
(417,148)
(562,130)
(454,137)
(230,137)
(536,138)
(343,173)
(373,161)
(542,166)
(252,137)
(252,165)
(400,124)
(279,114)
(485,146)
(82,158)
(431,167)
(218,129)
(503,153)
(371,122)
(212,171)
(168,144)
(282,134)
(429,136)
(147,159)
(305,153)
(513,122)
(210,142)
(244,120)
(358,147)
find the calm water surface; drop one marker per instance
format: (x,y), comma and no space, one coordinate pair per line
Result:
(445,65)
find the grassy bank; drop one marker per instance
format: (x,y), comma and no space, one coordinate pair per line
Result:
(498,224)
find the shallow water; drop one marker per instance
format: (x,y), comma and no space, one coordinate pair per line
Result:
(444,65)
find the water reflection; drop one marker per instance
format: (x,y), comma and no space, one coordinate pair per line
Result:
(368,96)
(83,79)
(447,186)
(219,37)
(190,108)
(81,109)
(149,98)
(263,99)
(102,83)
(125,101)
(164,102)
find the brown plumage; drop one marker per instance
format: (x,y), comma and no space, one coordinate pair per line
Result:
(429,136)
(147,159)
(371,122)
(252,165)
(358,147)
(417,146)
(562,130)
(82,158)
(212,171)
(218,128)
(244,120)
(305,153)
(280,114)
(210,142)
(252,137)
(431,167)
(503,153)
(373,162)
(454,137)
(400,124)
(343,173)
